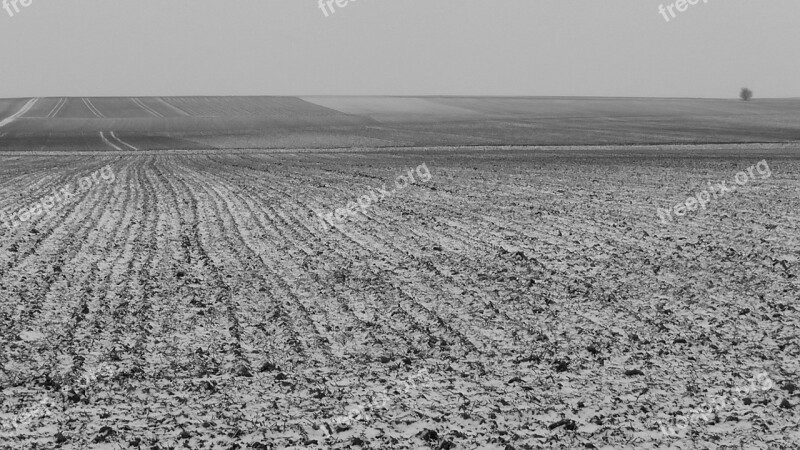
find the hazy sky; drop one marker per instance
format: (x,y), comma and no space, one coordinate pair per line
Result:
(400,47)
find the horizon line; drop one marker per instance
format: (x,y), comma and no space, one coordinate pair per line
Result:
(598,97)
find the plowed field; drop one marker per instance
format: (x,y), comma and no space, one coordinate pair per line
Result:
(525,298)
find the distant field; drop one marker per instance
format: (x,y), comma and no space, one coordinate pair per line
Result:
(153,123)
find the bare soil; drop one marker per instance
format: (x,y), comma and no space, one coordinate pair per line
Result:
(520,298)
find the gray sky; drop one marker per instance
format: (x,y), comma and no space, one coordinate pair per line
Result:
(400,47)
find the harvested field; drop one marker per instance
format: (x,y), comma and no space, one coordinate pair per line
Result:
(524,298)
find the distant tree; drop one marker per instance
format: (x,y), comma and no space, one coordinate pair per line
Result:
(746,94)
